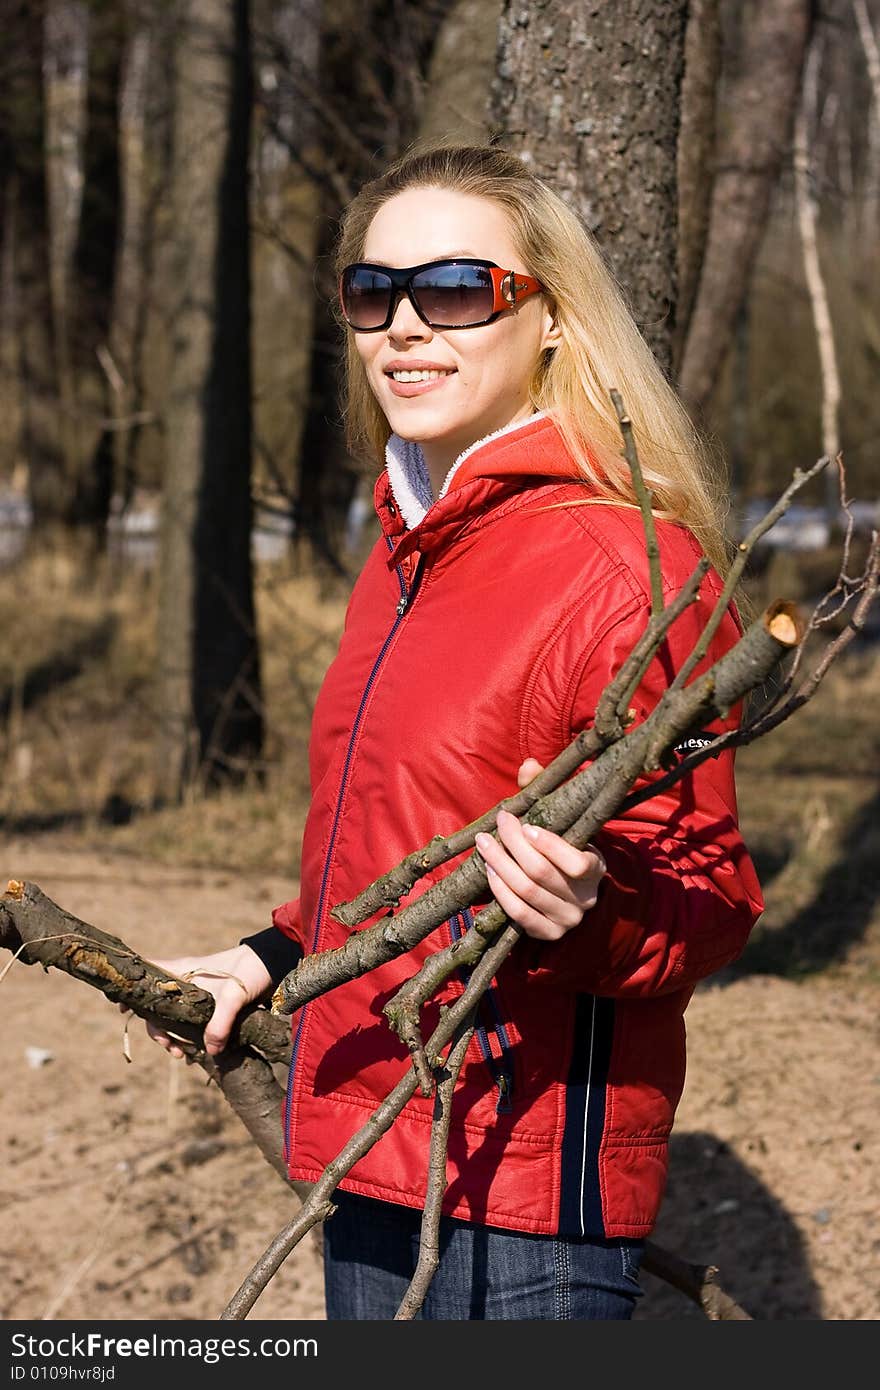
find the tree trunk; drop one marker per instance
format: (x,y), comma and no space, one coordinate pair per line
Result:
(460,73)
(369,98)
(808,224)
(285,217)
(210,705)
(588,95)
(65,73)
(81,71)
(870,201)
(90,442)
(22,121)
(761,100)
(139,186)
(696,152)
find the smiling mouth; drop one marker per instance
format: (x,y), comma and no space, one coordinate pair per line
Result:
(432,374)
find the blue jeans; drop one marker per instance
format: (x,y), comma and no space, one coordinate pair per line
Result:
(371,1249)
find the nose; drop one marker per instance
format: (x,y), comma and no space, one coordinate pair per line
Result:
(405,322)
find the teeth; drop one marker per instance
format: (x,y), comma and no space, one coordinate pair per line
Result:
(419,376)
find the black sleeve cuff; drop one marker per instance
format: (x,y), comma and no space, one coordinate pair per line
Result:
(279,953)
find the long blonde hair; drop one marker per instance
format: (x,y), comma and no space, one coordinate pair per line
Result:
(600,349)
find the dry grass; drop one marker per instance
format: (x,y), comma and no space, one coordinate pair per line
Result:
(77,714)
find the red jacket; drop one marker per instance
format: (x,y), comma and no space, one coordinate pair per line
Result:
(482,635)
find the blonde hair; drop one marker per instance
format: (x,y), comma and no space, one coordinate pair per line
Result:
(600,346)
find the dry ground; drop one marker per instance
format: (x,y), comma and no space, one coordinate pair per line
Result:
(131,1191)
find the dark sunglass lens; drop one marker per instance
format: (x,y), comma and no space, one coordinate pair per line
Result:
(454,294)
(366,295)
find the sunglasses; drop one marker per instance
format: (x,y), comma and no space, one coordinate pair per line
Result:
(459,293)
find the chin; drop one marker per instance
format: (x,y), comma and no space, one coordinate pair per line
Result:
(419,426)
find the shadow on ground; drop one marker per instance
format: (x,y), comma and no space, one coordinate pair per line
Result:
(717,1212)
(837,917)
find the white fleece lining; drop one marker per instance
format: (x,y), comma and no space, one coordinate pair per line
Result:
(408,472)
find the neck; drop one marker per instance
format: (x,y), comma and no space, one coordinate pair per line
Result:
(440,455)
(438,463)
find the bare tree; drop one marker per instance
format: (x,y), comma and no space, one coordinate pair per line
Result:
(26,253)
(760,101)
(696,153)
(287,46)
(870,218)
(209,678)
(807,213)
(460,73)
(142,184)
(588,96)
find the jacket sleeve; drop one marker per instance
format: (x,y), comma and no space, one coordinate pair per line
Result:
(280,946)
(681,894)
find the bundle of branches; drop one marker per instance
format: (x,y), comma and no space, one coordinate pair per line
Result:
(573,803)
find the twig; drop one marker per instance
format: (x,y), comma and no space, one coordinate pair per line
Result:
(318,1206)
(740,668)
(37,930)
(603,783)
(769,717)
(603,787)
(744,550)
(699,1282)
(429,1244)
(644,498)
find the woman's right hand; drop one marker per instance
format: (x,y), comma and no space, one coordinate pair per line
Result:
(234,977)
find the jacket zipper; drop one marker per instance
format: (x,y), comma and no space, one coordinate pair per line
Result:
(501,1068)
(406,597)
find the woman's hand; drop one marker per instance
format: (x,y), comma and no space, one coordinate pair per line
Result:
(542,882)
(235,977)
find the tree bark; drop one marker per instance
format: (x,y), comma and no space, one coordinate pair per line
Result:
(696,151)
(209,686)
(82,45)
(761,100)
(808,224)
(140,184)
(869,219)
(285,205)
(65,73)
(22,118)
(588,96)
(460,74)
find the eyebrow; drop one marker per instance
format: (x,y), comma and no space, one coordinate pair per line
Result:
(449,256)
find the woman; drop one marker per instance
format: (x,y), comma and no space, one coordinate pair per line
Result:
(507,586)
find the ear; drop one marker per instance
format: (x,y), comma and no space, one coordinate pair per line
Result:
(552,334)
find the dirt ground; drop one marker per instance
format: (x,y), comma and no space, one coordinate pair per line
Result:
(129,1190)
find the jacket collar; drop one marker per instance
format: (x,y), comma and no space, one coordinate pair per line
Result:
(489,469)
(408,471)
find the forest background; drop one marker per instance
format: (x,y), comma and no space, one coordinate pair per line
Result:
(181,523)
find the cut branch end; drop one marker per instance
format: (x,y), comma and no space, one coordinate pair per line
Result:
(784,623)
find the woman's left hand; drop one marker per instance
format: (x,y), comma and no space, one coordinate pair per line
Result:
(543,883)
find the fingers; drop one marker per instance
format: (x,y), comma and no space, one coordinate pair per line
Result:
(528,771)
(234,977)
(219,1026)
(173,1046)
(526,871)
(541,881)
